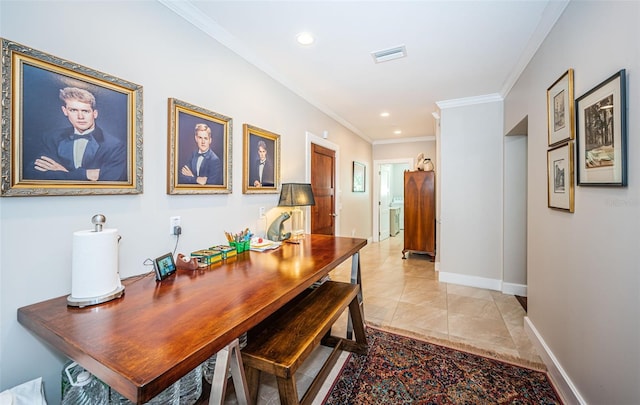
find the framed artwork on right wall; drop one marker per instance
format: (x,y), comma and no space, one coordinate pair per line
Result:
(602,134)
(560,177)
(560,113)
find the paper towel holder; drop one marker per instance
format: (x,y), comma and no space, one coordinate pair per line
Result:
(98,221)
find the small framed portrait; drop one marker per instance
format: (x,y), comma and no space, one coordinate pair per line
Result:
(261,166)
(560,177)
(602,134)
(199,150)
(560,112)
(67,129)
(359,173)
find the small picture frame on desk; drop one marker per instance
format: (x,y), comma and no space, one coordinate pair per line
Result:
(164,266)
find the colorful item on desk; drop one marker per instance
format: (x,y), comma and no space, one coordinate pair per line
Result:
(225,250)
(207,257)
(240,241)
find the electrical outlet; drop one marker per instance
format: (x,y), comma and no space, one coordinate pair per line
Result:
(261,212)
(173,222)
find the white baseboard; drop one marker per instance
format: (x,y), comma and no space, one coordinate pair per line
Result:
(514,289)
(470,281)
(437,266)
(567,391)
(481,282)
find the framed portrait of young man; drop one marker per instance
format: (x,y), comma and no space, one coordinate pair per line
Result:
(261,161)
(199,150)
(70,130)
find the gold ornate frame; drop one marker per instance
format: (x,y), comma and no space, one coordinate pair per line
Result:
(183,117)
(31,81)
(253,135)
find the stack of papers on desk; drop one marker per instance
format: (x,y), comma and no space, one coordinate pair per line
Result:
(261,245)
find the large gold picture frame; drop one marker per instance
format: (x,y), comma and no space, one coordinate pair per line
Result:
(67,129)
(261,161)
(199,150)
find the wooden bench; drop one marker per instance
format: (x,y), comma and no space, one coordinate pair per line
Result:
(280,344)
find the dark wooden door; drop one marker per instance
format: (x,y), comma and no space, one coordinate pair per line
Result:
(323,184)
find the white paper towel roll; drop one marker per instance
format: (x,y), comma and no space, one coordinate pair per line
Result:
(94,265)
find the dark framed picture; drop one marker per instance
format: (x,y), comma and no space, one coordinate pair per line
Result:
(359,177)
(261,161)
(199,150)
(560,188)
(560,112)
(67,129)
(602,134)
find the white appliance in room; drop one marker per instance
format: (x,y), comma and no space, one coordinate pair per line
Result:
(398,202)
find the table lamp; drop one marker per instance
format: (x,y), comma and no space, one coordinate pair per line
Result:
(296,195)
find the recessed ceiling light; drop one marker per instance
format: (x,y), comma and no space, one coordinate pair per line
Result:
(305,38)
(384,114)
(397,132)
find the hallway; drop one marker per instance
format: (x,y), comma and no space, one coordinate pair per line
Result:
(406,296)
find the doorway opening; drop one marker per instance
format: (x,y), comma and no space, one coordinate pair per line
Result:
(388,194)
(514,245)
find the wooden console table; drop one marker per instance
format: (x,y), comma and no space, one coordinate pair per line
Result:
(157,332)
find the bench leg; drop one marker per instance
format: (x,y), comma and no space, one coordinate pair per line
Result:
(356,278)
(229,356)
(253,381)
(357,317)
(288,391)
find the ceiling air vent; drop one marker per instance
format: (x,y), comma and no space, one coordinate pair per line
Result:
(389,54)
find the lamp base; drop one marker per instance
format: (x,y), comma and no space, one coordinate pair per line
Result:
(297,223)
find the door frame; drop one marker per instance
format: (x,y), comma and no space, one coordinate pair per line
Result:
(376,190)
(337,195)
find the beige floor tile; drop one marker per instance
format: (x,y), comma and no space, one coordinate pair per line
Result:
(469,292)
(420,319)
(473,307)
(480,330)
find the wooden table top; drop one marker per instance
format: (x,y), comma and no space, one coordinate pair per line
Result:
(157,332)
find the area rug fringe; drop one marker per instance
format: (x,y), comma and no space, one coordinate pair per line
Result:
(516,361)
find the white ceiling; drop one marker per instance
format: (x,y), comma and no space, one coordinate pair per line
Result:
(455,50)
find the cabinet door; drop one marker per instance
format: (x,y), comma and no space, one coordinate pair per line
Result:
(419,211)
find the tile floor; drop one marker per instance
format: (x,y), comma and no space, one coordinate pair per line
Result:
(405,295)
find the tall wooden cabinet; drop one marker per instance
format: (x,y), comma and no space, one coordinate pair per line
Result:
(419,213)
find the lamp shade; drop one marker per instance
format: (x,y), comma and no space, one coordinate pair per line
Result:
(296,195)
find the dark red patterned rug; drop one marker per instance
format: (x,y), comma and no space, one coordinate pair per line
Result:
(402,370)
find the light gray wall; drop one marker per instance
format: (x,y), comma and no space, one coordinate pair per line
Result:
(382,151)
(515,214)
(471,169)
(583,268)
(145,43)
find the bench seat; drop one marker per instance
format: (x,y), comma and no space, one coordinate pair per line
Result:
(283,342)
